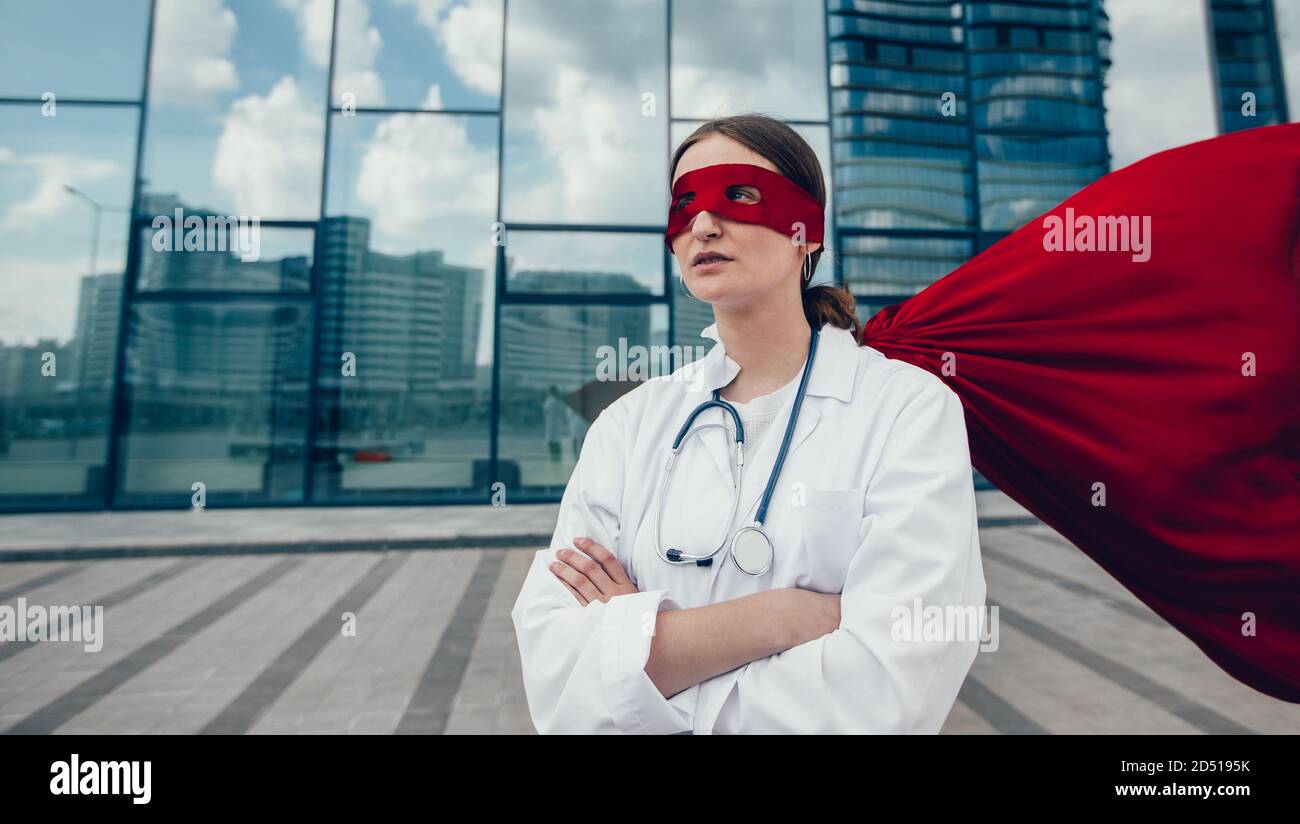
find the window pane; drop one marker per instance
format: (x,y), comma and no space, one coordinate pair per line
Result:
(218,396)
(774,59)
(404,378)
(237,97)
(399,54)
(550,394)
(424,182)
(65,193)
(404,389)
(73,48)
(585,137)
(406,307)
(584,262)
(252,258)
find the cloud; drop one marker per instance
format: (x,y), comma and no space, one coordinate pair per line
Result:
(268,157)
(425,183)
(596,142)
(782,59)
(314,19)
(48,199)
(41,298)
(579,149)
(474,58)
(469,36)
(191,54)
(427,12)
(1159,89)
(359,44)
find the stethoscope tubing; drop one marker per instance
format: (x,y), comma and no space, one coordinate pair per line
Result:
(677,556)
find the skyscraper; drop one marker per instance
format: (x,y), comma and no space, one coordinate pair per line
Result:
(955,123)
(1247,68)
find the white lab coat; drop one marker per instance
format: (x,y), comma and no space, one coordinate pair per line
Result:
(876,501)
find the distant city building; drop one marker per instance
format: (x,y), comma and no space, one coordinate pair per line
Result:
(1246,64)
(95,341)
(953,124)
(411,320)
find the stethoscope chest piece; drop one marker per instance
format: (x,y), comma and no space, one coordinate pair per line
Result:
(751,550)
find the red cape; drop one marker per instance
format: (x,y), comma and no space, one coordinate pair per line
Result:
(1079,368)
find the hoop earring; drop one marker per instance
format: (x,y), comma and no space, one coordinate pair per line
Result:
(807,269)
(682,282)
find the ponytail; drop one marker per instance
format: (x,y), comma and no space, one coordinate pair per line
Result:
(831,304)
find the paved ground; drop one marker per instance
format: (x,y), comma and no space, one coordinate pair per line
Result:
(249,639)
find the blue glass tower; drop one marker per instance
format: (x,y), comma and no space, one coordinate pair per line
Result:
(1247,67)
(955,123)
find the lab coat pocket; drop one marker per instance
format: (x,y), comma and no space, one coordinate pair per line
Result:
(830,520)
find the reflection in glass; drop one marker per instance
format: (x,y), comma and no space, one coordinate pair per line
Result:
(426,181)
(275,260)
(218,396)
(402,400)
(74,49)
(584,112)
(775,65)
(236,103)
(404,378)
(399,54)
(551,394)
(584,262)
(65,194)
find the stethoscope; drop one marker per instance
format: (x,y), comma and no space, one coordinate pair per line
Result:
(751,548)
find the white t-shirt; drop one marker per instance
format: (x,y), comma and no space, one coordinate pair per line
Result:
(758,416)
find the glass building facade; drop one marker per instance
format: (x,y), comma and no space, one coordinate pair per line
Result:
(1247,64)
(459,211)
(955,123)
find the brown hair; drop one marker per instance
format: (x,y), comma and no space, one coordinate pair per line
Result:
(794,158)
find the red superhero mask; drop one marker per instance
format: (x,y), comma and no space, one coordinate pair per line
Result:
(782,204)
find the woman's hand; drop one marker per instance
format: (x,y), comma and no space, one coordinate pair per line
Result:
(807,615)
(593,574)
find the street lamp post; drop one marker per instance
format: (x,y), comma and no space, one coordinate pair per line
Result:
(94,232)
(73,438)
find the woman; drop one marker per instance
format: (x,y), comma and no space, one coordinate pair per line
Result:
(871,517)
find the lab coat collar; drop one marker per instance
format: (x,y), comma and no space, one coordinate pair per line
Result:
(833,375)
